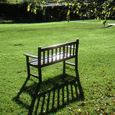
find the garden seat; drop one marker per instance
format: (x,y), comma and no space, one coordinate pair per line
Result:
(51,55)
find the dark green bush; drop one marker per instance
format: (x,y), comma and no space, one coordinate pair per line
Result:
(69,11)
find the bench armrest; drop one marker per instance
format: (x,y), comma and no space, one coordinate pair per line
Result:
(30,55)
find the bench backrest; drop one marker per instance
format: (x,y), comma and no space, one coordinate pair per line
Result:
(57,53)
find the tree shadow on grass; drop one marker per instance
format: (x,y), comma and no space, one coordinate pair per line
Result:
(51,95)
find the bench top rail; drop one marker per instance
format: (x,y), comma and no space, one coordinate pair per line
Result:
(58,46)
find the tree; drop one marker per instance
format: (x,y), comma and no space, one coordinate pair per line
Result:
(94,9)
(35,5)
(84,8)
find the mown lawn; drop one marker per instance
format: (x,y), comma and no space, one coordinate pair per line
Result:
(96,65)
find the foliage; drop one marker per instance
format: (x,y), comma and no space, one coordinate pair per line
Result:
(108,8)
(36,5)
(94,9)
(85,10)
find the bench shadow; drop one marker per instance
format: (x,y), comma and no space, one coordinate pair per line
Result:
(51,95)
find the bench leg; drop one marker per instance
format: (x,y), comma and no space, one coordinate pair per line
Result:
(28,71)
(40,74)
(64,68)
(28,67)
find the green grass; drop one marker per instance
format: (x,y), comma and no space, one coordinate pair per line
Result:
(96,64)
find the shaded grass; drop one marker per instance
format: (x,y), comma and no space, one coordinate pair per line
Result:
(96,63)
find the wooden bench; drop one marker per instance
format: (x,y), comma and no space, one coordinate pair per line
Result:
(51,55)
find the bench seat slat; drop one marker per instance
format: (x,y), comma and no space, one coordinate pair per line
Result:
(50,60)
